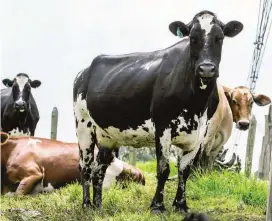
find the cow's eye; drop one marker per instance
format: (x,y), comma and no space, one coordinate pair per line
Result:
(234,101)
(219,40)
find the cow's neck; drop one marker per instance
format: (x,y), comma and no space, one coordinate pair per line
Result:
(6,150)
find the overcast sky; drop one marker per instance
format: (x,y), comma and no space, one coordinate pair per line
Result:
(53,40)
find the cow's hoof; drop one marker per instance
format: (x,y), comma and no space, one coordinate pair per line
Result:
(87,204)
(181,208)
(157,209)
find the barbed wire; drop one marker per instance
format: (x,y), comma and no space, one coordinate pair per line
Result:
(262,35)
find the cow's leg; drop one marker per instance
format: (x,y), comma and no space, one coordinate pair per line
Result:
(183,174)
(86,141)
(163,143)
(103,160)
(26,184)
(180,199)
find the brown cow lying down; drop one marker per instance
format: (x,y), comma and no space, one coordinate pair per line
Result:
(40,165)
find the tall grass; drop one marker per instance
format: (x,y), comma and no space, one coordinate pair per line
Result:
(224,196)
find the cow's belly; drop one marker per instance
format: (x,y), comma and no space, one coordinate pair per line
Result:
(112,137)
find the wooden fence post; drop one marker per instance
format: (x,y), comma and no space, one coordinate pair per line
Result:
(250,146)
(269,199)
(269,147)
(132,156)
(54,123)
(262,164)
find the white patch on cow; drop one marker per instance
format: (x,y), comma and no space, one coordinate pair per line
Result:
(21,81)
(17,132)
(202,86)
(115,168)
(82,130)
(189,141)
(39,188)
(33,142)
(10,194)
(165,141)
(112,137)
(205,22)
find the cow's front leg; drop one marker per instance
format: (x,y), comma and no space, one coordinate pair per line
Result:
(163,143)
(103,160)
(183,174)
(26,185)
(180,199)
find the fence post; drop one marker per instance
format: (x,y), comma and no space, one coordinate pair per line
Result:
(54,123)
(261,169)
(250,146)
(132,156)
(269,147)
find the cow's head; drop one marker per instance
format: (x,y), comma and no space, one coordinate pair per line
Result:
(241,100)
(21,88)
(206,35)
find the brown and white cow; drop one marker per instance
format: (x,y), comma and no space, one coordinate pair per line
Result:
(241,100)
(235,105)
(40,165)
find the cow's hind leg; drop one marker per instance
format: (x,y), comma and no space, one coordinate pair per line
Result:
(86,141)
(103,160)
(163,143)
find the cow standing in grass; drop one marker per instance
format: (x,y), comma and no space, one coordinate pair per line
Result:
(151,99)
(19,112)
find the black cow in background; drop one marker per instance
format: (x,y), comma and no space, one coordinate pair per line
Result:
(19,112)
(160,98)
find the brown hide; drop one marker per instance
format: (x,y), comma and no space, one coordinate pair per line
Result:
(32,160)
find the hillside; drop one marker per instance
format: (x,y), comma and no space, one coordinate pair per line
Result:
(224,196)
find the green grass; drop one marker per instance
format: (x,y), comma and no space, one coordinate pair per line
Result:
(224,196)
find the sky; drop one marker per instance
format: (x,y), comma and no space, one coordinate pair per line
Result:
(52,41)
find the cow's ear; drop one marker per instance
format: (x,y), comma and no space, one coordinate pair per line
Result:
(35,83)
(232,28)
(179,29)
(261,100)
(7,82)
(4,138)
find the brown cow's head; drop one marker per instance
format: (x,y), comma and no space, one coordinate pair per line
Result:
(4,138)
(241,100)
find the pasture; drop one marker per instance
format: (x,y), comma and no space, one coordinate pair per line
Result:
(225,196)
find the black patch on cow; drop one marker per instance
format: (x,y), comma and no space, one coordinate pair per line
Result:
(76,123)
(145,129)
(89,124)
(82,120)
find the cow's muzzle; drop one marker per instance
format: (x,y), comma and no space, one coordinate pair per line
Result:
(20,106)
(206,71)
(242,124)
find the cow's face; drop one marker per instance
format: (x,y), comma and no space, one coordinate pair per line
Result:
(21,89)
(206,35)
(241,100)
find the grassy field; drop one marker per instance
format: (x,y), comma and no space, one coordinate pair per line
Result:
(224,196)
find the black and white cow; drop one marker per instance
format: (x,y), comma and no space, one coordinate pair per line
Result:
(151,99)
(19,112)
